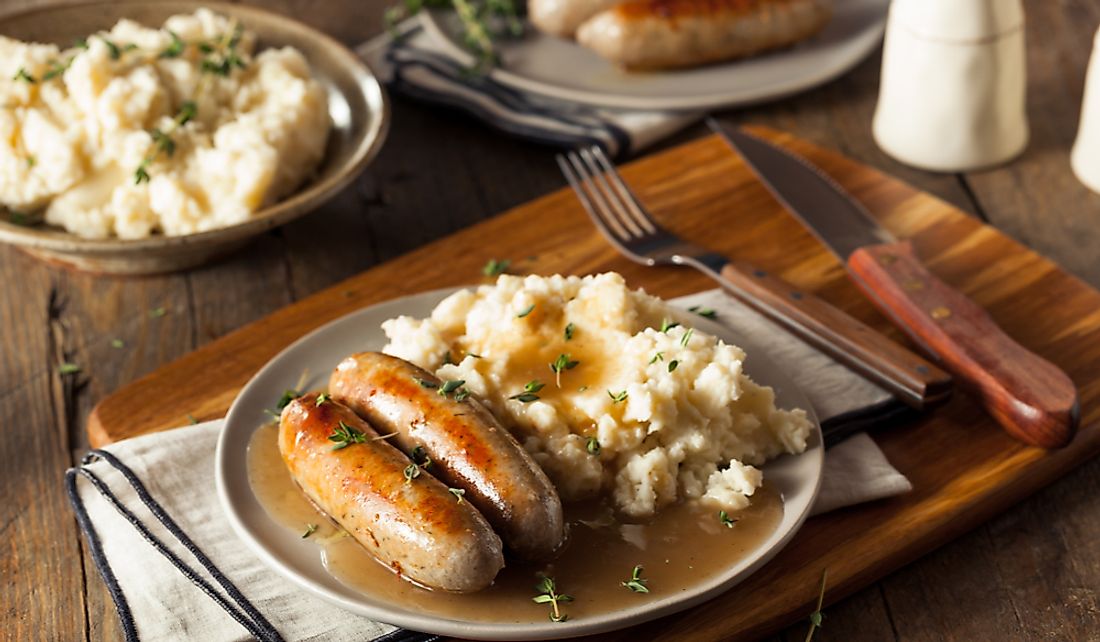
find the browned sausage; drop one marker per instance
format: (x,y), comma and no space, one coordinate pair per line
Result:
(661,34)
(469,449)
(416,526)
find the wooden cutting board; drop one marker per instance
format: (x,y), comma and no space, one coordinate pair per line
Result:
(963,468)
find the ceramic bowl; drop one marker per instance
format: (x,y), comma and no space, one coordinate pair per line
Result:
(357,105)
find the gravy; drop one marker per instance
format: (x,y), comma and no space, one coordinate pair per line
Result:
(683,546)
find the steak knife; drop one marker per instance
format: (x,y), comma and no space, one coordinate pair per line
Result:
(1031,398)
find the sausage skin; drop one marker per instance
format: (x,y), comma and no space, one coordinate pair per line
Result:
(664,34)
(469,448)
(417,527)
(562,17)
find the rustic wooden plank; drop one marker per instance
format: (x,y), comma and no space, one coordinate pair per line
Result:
(988,471)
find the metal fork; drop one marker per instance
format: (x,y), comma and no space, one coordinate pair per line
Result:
(625,222)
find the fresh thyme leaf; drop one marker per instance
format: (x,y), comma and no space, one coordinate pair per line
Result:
(726,520)
(174,49)
(529,389)
(424,383)
(322,398)
(118,343)
(526,311)
(57,68)
(112,48)
(157,312)
(163,142)
(563,362)
(452,385)
(636,583)
(288,396)
(660,356)
(412,471)
(569,330)
(191,419)
(593,446)
(672,365)
(668,324)
(495,267)
(24,76)
(462,394)
(141,175)
(616,398)
(548,594)
(703,312)
(686,337)
(22,218)
(533,386)
(447,359)
(68,368)
(81,43)
(475,356)
(457,492)
(188,110)
(582,388)
(816,617)
(345,435)
(310,529)
(525,397)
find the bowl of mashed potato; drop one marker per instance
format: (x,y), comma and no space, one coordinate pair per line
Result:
(144,137)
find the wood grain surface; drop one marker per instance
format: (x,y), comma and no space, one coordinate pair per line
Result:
(1029,574)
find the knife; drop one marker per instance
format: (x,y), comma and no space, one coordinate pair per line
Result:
(1031,398)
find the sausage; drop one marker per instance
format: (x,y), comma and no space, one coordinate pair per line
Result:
(562,17)
(415,526)
(468,447)
(662,34)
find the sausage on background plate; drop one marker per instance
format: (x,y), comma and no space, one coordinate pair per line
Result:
(562,17)
(468,447)
(664,34)
(416,526)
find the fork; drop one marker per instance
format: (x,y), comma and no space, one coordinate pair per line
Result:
(625,222)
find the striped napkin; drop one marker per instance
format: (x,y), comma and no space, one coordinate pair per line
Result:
(175,569)
(411,63)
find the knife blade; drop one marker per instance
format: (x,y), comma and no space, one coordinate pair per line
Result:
(1031,398)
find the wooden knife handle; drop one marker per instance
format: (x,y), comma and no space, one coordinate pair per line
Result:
(909,377)
(1031,398)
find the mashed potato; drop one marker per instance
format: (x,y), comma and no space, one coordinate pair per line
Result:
(173,130)
(646,412)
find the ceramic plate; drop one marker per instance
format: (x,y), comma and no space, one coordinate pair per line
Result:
(562,69)
(796,477)
(357,106)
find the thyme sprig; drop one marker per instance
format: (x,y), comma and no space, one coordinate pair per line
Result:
(563,362)
(548,594)
(636,583)
(816,617)
(345,435)
(483,23)
(163,141)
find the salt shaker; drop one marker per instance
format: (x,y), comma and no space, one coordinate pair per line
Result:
(952,95)
(1085,157)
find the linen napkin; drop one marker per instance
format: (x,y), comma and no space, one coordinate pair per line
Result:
(176,570)
(410,62)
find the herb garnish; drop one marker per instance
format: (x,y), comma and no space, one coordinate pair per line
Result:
(424,383)
(660,356)
(526,311)
(163,142)
(57,68)
(616,398)
(636,583)
(703,312)
(288,396)
(310,529)
(157,312)
(495,267)
(412,471)
(529,389)
(118,344)
(24,76)
(455,386)
(447,359)
(672,365)
(726,520)
(668,324)
(68,368)
(548,593)
(563,362)
(687,337)
(222,56)
(114,50)
(322,398)
(346,435)
(174,49)
(816,617)
(569,330)
(593,446)
(191,419)
(457,492)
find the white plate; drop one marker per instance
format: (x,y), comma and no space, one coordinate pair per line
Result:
(796,477)
(563,69)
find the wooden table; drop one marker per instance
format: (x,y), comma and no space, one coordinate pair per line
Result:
(1031,574)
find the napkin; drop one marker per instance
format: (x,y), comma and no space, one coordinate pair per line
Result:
(410,62)
(175,569)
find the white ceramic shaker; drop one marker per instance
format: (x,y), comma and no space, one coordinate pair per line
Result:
(1085,158)
(952,95)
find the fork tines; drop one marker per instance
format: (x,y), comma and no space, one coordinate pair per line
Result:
(608,200)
